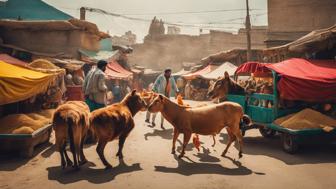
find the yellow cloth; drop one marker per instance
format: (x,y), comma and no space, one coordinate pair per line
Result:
(17,83)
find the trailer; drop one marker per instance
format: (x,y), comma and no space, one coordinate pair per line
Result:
(263,117)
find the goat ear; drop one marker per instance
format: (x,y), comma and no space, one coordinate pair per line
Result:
(161,97)
(226,75)
(133,92)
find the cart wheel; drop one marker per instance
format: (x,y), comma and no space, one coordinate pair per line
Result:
(289,143)
(267,132)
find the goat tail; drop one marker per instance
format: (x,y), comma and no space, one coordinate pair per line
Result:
(246,120)
(70,123)
(92,131)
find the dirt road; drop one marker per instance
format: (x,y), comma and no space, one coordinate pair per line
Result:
(149,164)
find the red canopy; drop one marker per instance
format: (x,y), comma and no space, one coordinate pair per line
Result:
(12,60)
(252,67)
(115,71)
(308,80)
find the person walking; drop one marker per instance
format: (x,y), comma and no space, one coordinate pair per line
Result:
(94,87)
(165,84)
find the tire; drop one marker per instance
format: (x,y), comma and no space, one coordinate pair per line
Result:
(267,132)
(289,143)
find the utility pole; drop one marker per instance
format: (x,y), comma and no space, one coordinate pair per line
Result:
(248,31)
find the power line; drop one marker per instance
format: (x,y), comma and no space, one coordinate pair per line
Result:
(188,12)
(100,11)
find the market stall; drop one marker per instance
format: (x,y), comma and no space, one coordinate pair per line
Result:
(196,88)
(74,77)
(28,90)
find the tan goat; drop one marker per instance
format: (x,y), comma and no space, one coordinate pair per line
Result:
(207,120)
(71,121)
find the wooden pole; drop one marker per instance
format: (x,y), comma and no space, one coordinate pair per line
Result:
(248,31)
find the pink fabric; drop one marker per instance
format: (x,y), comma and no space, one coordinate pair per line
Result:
(115,71)
(11,60)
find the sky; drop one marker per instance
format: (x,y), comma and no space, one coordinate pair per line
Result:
(225,15)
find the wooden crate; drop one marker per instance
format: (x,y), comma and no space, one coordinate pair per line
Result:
(24,143)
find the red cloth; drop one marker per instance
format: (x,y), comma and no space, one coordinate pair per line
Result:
(116,67)
(252,67)
(115,71)
(307,80)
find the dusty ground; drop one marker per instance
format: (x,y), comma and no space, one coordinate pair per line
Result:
(149,164)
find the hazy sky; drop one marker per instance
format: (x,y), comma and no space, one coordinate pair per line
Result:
(229,20)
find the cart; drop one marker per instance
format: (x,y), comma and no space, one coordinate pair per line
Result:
(24,143)
(263,119)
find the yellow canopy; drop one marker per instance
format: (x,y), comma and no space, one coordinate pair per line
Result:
(17,83)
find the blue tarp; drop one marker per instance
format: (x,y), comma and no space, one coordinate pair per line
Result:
(30,10)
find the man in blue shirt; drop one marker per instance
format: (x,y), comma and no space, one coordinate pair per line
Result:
(164,84)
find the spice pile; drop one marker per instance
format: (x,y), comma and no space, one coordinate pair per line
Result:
(307,119)
(25,123)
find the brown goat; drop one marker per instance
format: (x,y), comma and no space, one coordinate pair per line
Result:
(224,85)
(115,121)
(71,120)
(207,120)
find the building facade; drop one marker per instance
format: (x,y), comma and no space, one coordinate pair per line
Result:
(289,20)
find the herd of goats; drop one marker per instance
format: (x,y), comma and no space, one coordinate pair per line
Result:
(73,120)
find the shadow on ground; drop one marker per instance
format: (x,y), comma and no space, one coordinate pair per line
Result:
(165,134)
(206,157)
(89,174)
(13,161)
(192,168)
(272,147)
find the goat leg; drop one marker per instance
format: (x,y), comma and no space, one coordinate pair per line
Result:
(100,150)
(68,160)
(176,134)
(214,140)
(186,139)
(61,150)
(82,156)
(121,146)
(231,139)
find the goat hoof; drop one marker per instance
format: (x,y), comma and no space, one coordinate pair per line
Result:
(75,167)
(180,156)
(107,167)
(224,154)
(69,164)
(240,155)
(83,162)
(173,152)
(163,128)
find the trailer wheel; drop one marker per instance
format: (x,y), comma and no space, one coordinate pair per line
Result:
(289,143)
(267,132)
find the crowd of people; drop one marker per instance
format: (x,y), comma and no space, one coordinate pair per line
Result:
(98,94)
